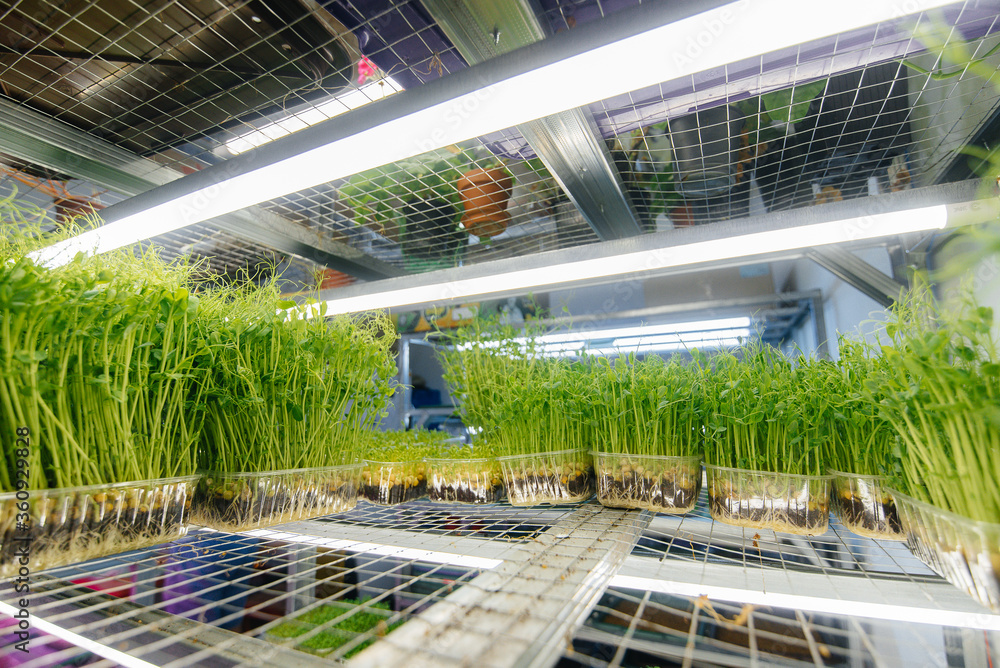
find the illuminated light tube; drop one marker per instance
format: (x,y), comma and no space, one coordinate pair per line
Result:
(679,338)
(729,33)
(884,611)
(573,340)
(80,641)
(670,347)
(341,104)
(648,330)
(745,245)
(394,551)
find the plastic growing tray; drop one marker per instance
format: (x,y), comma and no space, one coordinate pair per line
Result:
(964,552)
(465,480)
(241,501)
(561,476)
(659,484)
(797,504)
(864,505)
(389,483)
(74,524)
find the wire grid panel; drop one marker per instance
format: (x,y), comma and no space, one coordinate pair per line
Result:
(229,599)
(837,572)
(475,577)
(699,592)
(836,121)
(410,214)
(179,80)
(645,628)
(276,596)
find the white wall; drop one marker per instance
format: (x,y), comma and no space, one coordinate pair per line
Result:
(846,310)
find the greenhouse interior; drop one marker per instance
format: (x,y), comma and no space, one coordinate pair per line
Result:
(498,333)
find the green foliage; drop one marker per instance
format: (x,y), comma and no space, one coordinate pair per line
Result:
(764,413)
(790,105)
(861,439)
(407,446)
(98,361)
(368,618)
(520,401)
(648,406)
(940,390)
(124,368)
(289,392)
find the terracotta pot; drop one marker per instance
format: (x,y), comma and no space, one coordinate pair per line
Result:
(485,195)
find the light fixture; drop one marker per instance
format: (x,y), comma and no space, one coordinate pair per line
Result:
(651,260)
(110,653)
(352,99)
(638,339)
(568,70)
(884,611)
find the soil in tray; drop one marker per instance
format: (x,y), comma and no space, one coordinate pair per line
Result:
(393,494)
(84,534)
(808,520)
(549,488)
(880,518)
(465,494)
(635,491)
(221,507)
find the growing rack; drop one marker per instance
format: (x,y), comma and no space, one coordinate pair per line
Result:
(76,77)
(499,586)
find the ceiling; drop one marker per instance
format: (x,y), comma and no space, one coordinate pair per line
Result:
(105,99)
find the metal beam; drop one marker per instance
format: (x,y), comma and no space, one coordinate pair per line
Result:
(568,144)
(856,272)
(519,614)
(35,138)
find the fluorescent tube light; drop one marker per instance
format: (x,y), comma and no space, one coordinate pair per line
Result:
(889,612)
(119,657)
(679,340)
(641,330)
(745,245)
(352,99)
(709,39)
(640,339)
(710,343)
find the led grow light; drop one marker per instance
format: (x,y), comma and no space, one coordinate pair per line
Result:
(352,99)
(745,245)
(888,612)
(119,657)
(642,339)
(577,68)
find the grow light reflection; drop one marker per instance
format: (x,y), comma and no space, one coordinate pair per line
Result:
(352,99)
(721,332)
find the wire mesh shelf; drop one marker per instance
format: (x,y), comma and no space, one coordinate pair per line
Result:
(429,583)
(881,109)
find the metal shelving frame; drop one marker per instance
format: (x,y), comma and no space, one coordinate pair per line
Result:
(503,586)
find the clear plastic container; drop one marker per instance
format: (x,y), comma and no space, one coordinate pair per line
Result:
(659,484)
(864,505)
(964,552)
(389,483)
(75,524)
(561,476)
(465,480)
(797,504)
(241,501)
